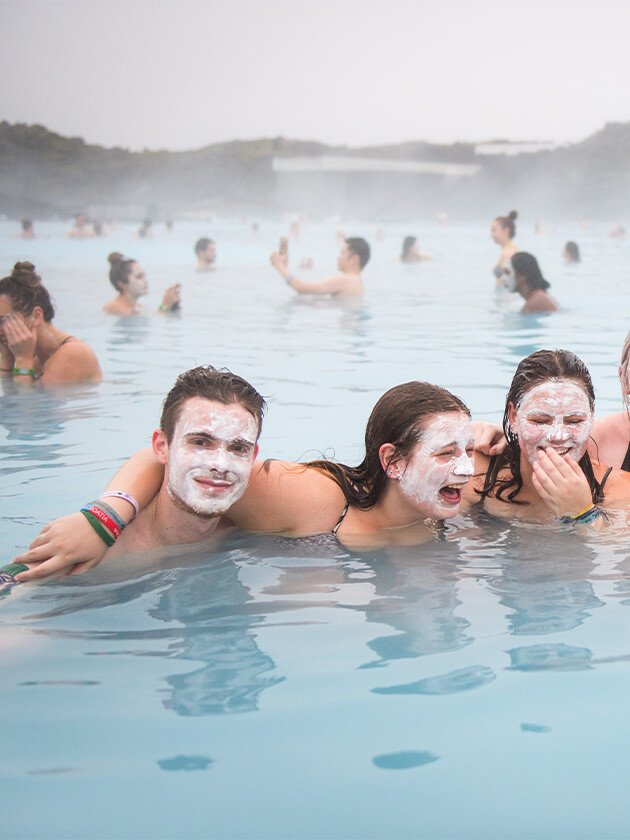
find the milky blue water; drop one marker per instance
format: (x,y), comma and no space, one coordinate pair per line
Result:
(473,687)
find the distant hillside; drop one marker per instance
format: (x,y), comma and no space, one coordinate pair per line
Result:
(43,174)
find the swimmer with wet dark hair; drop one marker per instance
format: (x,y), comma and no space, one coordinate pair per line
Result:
(129,279)
(571,253)
(27,230)
(31,348)
(503,230)
(352,259)
(526,279)
(81,229)
(206,252)
(411,253)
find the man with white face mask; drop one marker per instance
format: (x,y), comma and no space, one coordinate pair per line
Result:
(207,443)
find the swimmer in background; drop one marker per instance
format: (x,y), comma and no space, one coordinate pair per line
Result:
(81,229)
(27,230)
(502,230)
(31,348)
(206,252)
(145,229)
(411,252)
(353,257)
(618,232)
(571,253)
(129,279)
(527,280)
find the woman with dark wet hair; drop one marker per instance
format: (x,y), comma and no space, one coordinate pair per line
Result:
(545,471)
(571,252)
(527,280)
(31,348)
(129,279)
(411,253)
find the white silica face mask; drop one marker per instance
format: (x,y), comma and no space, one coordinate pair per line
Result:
(556,413)
(435,475)
(509,278)
(210,456)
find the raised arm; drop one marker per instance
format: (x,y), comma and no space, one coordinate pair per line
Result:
(69,545)
(330,286)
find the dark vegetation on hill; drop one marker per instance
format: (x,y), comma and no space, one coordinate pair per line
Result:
(43,175)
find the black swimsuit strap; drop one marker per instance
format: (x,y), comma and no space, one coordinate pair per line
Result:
(341,518)
(605,478)
(626,461)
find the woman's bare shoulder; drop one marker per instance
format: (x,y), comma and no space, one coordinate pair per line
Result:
(289,497)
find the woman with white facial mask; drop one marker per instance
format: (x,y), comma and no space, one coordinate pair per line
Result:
(418,459)
(545,471)
(129,279)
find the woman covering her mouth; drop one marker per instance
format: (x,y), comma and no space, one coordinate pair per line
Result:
(545,467)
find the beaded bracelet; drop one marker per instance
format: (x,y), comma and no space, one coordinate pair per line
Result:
(163,308)
(24,372)
(118,494)
(107,538)
(588,515)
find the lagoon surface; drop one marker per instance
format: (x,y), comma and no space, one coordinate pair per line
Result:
(472,687)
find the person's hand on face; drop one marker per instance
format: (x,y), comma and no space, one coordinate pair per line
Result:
(20,338)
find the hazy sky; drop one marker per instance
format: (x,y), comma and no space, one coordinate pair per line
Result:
(180,75)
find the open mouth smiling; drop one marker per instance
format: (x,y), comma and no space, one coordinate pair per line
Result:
(452,493)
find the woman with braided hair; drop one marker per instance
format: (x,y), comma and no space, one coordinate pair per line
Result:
(31,348)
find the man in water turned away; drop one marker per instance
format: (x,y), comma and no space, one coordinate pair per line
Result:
(352,259)
(207,443)
(206,252)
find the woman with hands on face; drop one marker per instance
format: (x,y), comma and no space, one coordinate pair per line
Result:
(129,279)
(545,472)
(30,346)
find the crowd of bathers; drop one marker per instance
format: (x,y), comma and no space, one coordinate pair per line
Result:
(425,461)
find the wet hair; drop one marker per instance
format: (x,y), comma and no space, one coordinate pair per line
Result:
(119,271)
(539,367)
(527,266)
(24,289)
(357,245)
(573,251)
(210,383)
(399,417)
(27,224)
(625,362)
(408,243)
(508,222)
(202,244)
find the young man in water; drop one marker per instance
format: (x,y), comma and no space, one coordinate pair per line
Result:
(352,259)
(207,443)
(206,252)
